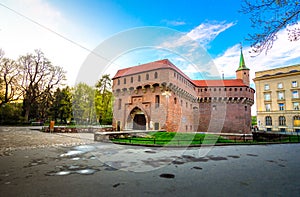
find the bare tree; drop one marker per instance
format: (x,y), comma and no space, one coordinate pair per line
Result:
(9,79)
(268,17)
(39,78)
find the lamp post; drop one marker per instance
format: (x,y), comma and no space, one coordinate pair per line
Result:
(167,94)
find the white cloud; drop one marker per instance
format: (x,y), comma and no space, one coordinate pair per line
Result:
(206,32)
(19,36)
(283,53)
(173,22)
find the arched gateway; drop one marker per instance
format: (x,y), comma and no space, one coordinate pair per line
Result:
(137,119)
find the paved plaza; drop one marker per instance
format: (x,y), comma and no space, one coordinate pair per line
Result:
(105,169)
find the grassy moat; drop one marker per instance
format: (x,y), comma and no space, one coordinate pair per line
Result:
(190,139)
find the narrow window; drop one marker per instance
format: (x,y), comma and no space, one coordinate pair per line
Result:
(157,101)
(139,78)
(147,76)
(281,106)
(280,95)
(268,107)
(155,75)
(282,121)
(175,101)
(268,121)
(118,81)
(280,85)
(120,104)
(295,94)
(294,84)
(131,79)
(267,87)
(124,80)
(296,105)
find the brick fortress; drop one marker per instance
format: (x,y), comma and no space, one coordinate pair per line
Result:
(159,96)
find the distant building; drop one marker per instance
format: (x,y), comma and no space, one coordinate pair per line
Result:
(159,96)
(277,99)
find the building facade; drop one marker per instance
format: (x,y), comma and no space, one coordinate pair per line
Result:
(159,96)
(277,99)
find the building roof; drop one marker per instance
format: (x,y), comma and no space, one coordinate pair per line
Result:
(160,64)
(242,65)
(165,63)
(220,83)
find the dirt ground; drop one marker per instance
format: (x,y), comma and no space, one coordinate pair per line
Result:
(23,138)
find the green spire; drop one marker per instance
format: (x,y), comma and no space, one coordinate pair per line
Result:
(242,65)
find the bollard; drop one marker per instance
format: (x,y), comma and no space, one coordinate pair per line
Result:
(51,126)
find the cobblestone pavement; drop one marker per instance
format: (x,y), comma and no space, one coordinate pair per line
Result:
(22,138)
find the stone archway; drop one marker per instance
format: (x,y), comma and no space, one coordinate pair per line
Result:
(137,119)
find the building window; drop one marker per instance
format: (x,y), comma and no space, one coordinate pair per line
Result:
(131,79)
(124,80)
(268,107)
(281,106)
(296,121)
(118,81)
(120,104)
(181,102)
(280,85)
(214,107)
(281,121)
(268,121)
(294,84)
(267,97)
(267,87)
(280,95)
(186,104)
(295,94)
(246,108)
(147,76)
(155,75)
(175,101)
(139,78)
(296,106)
(157,101)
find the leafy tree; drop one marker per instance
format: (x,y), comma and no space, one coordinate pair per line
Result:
(9,80)
(39,78)
(61,106)
(103,100)
(83,104)
(10,113)
(268,17)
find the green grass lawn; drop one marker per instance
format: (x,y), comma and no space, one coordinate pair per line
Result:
(174,138)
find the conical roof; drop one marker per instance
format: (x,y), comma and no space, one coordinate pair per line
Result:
(242,65)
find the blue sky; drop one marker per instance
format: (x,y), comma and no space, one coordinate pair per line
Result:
(214,24)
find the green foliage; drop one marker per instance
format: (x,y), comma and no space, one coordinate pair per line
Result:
(61,107)
(254,120)
(10,114)
(83,104)
(103,100)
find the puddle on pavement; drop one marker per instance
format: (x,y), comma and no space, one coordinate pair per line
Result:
(166,175)
(234,156)
(78,150)
(197,168)
(35,163)
(72,169)
(86,171)
(252,155)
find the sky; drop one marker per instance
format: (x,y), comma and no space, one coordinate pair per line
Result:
(70,32)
